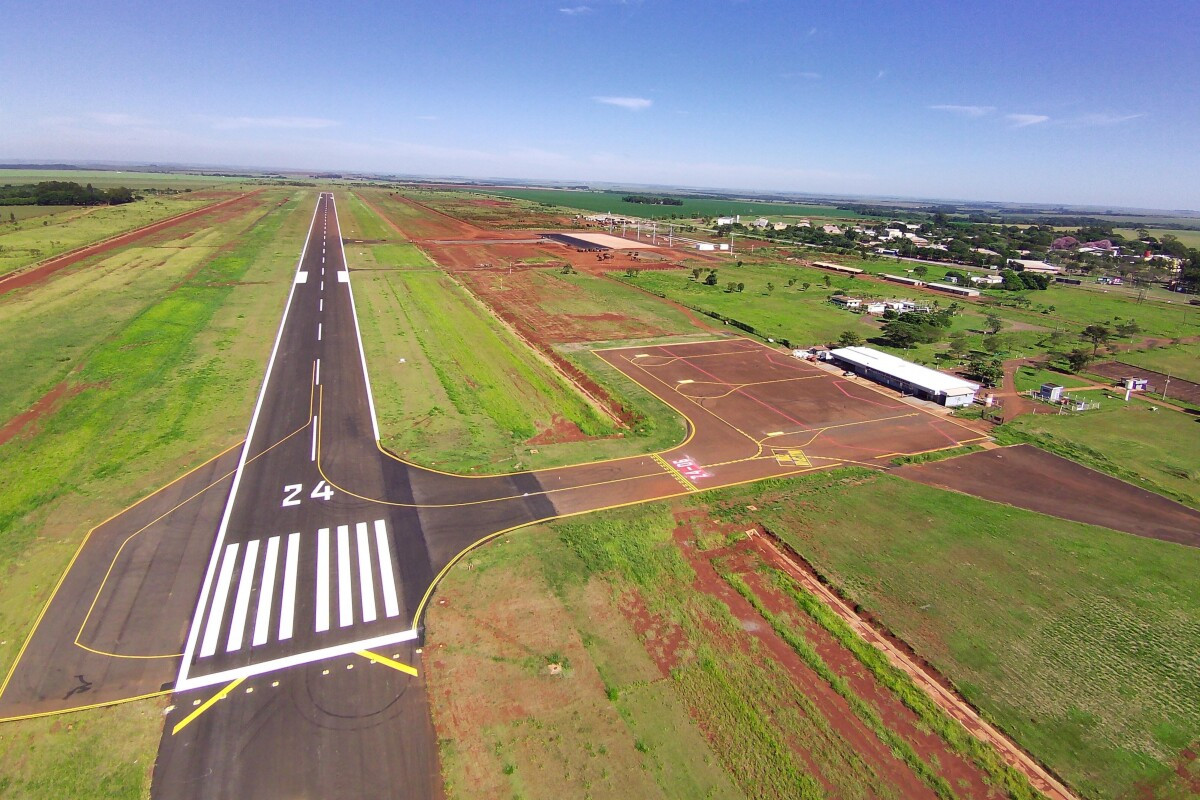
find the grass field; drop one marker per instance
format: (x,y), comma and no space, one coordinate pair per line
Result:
(1028,377)
(1077,640)
(607,726)
(604,202)
(1180,361)
(166,378)
(108,178)
(37,237)
(805,317)
(1189,238)
(1155,449)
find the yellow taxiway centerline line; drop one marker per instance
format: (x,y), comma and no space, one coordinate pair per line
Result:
(183,723)
(388,662)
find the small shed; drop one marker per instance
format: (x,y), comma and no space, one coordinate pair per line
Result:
(1050,392)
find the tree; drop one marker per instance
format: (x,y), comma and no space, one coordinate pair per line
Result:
(1128,329)
(850,339)
(992,324)
(920,270)
(828,281)
(1078,359)
(741,286)
(804,286)
(900,334)
(988,370)
(791,282)
(770,287)
(696,273)
(730,287)
(1097,335)
(711,280)
(960,344)
(997,343)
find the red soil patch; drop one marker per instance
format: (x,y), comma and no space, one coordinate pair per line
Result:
(44,269)
(832,707)
(522,297)
(561,430)
(43,406)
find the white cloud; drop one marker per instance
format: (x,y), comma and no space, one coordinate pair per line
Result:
(630,103)
(880,75)
(119,120)
(301,123)
(1104,118)
(812,31)
(1025,120)
(965,111)
(573,11)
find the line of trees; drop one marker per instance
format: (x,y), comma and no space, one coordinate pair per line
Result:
(650,200)
(63,193)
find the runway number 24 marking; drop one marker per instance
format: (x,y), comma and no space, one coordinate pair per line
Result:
(292,492)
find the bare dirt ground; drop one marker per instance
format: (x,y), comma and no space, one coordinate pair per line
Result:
(1026,477)
(44,405)
(524,295)
(1178,388)
(44,269)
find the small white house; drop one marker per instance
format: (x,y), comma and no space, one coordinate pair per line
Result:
(728,220)
(761,222)
(874,306)
(848,303)
(832,230)
(987,280)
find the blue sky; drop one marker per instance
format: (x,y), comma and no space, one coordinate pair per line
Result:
(1056,102)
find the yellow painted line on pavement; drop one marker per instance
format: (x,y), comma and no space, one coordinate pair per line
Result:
(676,474)
(207,704)
(388,662)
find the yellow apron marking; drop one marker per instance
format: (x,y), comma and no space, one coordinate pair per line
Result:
(183,723)
(387,662)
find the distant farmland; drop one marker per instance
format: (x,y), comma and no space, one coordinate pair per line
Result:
(692,206)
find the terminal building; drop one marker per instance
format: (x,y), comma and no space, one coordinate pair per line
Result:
(904,376)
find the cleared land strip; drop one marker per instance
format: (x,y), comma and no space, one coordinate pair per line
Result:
(47,267)
(1041,778)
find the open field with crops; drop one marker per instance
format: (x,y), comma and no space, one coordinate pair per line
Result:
(159,352)
(1181,360)
(665,659)
(1077,640)
(1153,448)
(605,202)
(37,237)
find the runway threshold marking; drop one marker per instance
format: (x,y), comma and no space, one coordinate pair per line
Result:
(207,704)
(676,474)
(388,662)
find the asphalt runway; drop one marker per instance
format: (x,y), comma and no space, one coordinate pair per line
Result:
(278,591)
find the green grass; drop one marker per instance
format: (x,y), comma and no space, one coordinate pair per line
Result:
(1076,640)
(468,394)
(1156,449)
(30,240)
(102,754)
(1179,361)
(604,202)
(1029,377)
(364,222)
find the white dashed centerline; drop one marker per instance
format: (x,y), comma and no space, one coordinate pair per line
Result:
(319,331)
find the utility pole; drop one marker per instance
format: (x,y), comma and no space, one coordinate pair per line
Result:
(1165,386)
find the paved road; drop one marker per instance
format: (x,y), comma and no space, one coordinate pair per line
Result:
(322,553)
